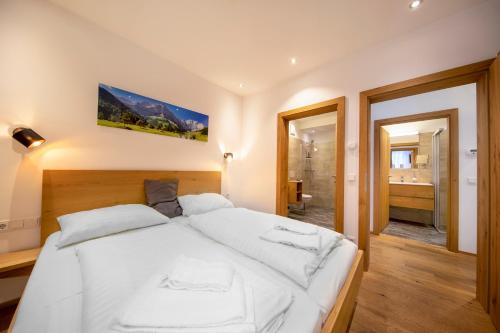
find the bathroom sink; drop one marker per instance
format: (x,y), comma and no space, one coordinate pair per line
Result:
(410,183)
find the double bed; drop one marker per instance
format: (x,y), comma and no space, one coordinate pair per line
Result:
(57,299)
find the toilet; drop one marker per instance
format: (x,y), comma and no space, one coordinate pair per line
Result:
(305,199)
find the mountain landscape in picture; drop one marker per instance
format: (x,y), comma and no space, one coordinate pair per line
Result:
(122,109)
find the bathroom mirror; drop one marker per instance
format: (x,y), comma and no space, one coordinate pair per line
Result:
(403,157)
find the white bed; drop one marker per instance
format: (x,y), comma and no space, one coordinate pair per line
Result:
(55,299)
(52,301)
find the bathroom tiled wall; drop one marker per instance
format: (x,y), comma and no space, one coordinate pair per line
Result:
(317,172)
(294,158)
(319,181)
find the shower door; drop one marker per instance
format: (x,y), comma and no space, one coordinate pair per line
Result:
(440,175)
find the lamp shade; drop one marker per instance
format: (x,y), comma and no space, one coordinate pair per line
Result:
(27,137)
(422,159)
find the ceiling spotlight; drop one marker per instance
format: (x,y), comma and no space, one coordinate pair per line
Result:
(241,85)
(414,4)
(293,61)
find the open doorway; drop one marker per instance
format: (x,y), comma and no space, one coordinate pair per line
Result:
(310,160)
(486,76)
(312,154)
(415,177)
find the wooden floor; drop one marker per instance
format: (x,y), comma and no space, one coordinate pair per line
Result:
(416,287)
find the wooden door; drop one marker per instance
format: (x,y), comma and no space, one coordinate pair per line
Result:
(494,118)
(385,158)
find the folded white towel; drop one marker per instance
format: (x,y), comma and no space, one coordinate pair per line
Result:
(297,227)
(310,243)
(196,274)
(158,309)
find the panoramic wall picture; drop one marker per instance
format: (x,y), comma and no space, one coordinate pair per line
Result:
(123,109)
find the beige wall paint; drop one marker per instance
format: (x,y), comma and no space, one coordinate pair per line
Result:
(51,63)
(430,49)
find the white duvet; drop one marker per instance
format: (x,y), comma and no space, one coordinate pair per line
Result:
(241,229)
(114,268)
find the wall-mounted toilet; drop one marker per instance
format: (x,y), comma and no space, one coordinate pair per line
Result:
(306,198)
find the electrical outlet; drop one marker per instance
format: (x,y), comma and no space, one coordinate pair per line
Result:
(4,226)
(11,225)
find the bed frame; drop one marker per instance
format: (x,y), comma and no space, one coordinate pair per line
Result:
(69,191)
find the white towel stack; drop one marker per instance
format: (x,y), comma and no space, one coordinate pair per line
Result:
(195,274)
(310,243)
(294,233)
(197,297)
(297,227)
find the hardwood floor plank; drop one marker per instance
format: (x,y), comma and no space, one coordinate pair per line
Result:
(417,287)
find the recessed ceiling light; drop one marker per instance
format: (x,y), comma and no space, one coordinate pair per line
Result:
(241,85)
(293,61)
(414,4)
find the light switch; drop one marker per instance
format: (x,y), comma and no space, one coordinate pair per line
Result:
(472,180)
(351,177)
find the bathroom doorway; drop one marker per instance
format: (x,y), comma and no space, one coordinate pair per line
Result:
(310,164)
(312,151)
(415,178)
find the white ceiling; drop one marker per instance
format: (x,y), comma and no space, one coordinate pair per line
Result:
(229,42)
(416,127)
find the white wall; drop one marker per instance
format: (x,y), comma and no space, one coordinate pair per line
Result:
(463,98)
(461,39)
(51,63)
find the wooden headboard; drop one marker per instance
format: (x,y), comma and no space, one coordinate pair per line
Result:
(69,191)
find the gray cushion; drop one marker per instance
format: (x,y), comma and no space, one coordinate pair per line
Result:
(162,196)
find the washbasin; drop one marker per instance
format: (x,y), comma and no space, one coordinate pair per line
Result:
(411,183)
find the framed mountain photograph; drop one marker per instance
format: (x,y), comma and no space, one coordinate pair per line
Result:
(123,109)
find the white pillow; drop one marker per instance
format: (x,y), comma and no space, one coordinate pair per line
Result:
(89,224)
(193,204)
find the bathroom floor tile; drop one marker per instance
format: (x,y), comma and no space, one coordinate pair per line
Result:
(323,217)
(423,233)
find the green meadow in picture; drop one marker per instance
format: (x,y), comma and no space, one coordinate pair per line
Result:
(123,109)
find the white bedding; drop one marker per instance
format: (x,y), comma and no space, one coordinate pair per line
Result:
(52,300)
(113,268)
(248,231)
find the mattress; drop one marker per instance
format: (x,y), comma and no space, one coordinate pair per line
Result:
(52,300)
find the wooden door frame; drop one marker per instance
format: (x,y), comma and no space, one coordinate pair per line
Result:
(473,73)
(453,167)
(336,104)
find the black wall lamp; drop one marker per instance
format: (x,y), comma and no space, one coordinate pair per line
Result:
(228,157)
(27,137)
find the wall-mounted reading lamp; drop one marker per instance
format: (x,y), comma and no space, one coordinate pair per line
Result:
(27,137)
(228,157)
